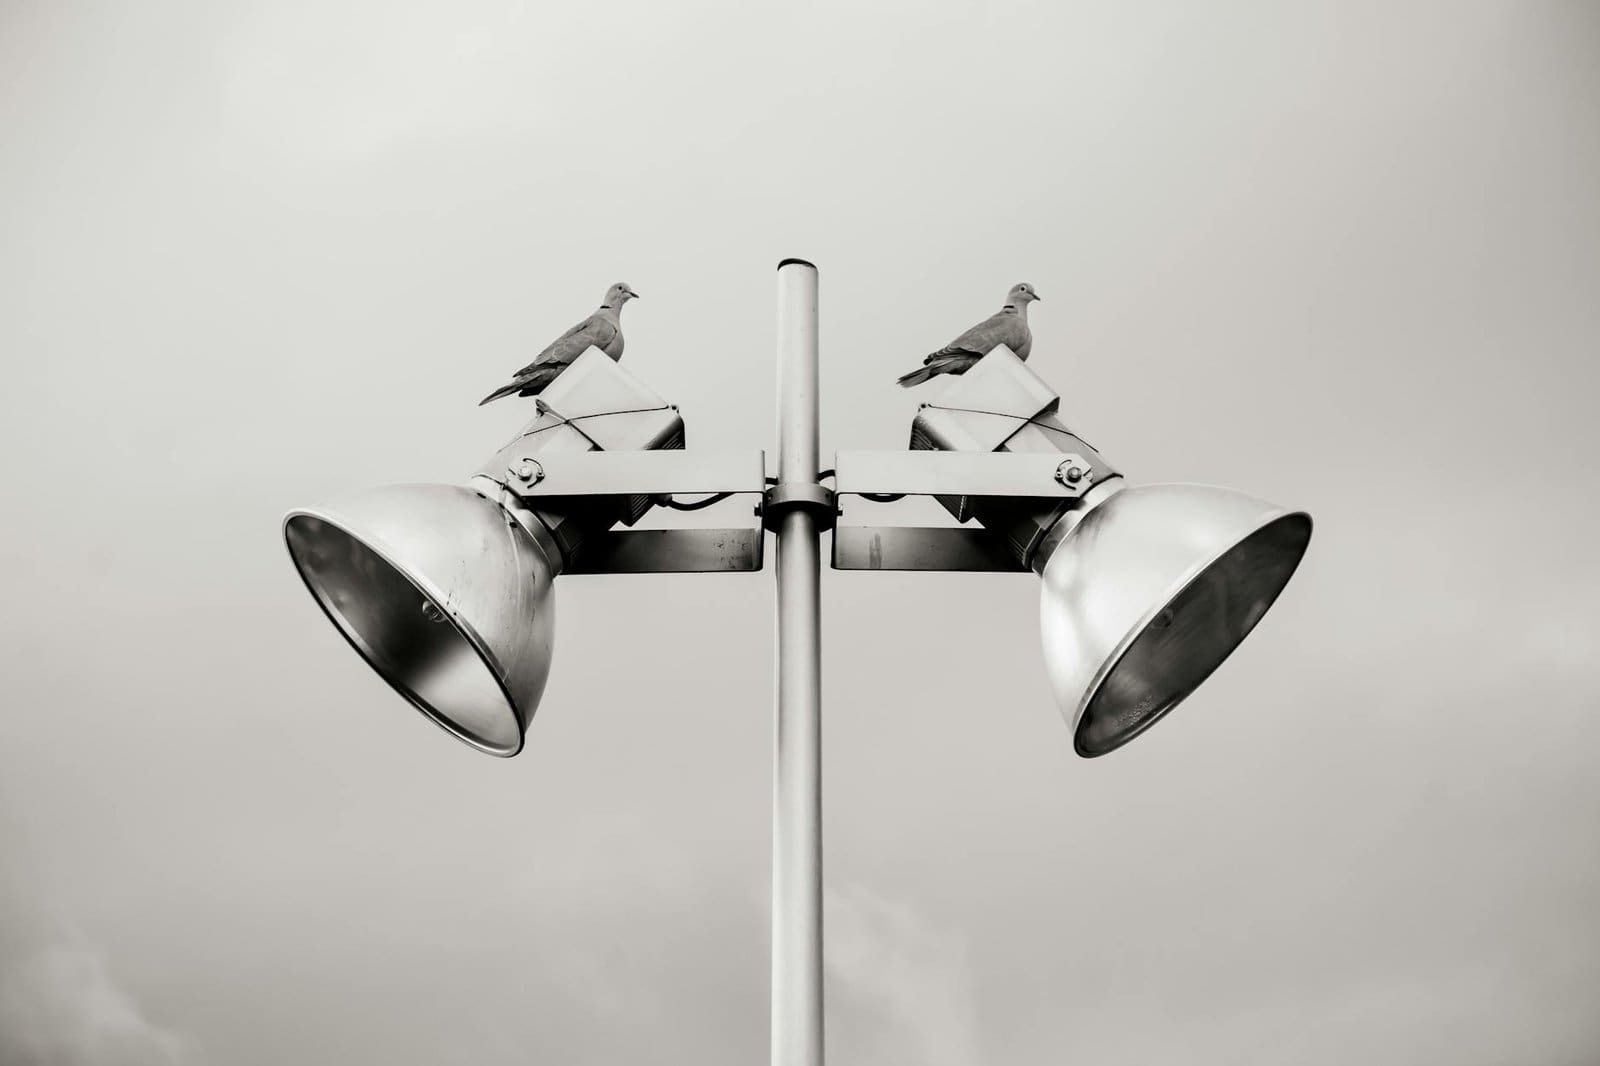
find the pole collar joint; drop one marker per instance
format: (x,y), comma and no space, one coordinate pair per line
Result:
(806,496)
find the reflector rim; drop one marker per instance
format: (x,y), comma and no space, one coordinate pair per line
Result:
(1177,589)
(433,595)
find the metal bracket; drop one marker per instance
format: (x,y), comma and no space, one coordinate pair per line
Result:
(631,473)
(800,495)
(671,551)
(543,481)
(1053,476)
(922,548)
(1040,475)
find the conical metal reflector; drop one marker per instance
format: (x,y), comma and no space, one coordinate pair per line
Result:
(1149,593)
(444,595)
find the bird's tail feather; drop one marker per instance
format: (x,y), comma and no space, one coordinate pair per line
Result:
(504,390)
(938,364)
(531,385)
(507,390)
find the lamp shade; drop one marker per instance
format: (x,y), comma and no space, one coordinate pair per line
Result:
(444,595)
(1149,592)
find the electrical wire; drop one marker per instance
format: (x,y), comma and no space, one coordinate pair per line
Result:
(871,496)
(563,420)
(1025,420)
(695,505)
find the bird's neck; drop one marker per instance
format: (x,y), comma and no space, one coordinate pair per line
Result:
(611,311)
(1020,310)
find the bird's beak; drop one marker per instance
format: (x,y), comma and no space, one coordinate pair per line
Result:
(1037,298)
(633,294)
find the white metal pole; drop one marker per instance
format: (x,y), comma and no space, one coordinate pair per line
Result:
(797,736)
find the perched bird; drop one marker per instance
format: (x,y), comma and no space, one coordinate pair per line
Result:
(602,330)
(1008,326)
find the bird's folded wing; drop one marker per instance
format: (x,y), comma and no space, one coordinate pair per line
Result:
(591,332)
(979,340)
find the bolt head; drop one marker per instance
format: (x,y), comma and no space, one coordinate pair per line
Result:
(528,470)
(1073,470)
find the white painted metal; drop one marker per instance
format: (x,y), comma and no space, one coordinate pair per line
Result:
(934,473)
(797,737)
(632,472)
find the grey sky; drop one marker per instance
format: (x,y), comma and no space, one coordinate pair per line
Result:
(1344,256)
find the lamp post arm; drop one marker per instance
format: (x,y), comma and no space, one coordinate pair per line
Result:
(625,473)
(549,482)
(1042,475)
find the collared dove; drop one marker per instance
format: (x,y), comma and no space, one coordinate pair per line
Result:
(602,330)
(1008,326)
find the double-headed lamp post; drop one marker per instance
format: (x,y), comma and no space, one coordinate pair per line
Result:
(447,591)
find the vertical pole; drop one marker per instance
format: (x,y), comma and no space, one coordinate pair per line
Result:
(797,736)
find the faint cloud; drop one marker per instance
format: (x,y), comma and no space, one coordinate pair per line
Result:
(332,86)
(60,1006)
(1554,639)
(900,986)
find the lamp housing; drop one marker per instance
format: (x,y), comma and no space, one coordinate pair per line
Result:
(1146,589)
(447,591)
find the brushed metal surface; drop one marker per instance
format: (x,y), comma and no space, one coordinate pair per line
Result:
(1149,592)
(443,594)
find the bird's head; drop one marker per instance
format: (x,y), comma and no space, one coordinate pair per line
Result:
(619,294)
(1021,295)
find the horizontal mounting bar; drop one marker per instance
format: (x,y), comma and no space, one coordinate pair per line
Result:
(669,551)
(921,548)
(641,473)
(940,473)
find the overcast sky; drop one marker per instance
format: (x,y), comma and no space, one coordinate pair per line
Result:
(1343,256)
